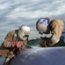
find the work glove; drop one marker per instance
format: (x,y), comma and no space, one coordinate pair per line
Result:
(46,35)
(17,44)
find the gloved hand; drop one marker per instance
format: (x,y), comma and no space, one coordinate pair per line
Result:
(17,44)
(46,35)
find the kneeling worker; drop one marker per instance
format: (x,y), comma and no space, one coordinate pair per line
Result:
(50,31)
(14,41)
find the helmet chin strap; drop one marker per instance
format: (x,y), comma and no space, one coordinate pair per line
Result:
(41,33)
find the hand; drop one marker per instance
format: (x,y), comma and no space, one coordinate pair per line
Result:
(46,35)
(19,44)
(49,35)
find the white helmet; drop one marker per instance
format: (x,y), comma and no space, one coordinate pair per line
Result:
(23,32)
(42,25)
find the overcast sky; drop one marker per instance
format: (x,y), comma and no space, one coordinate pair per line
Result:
(14,13)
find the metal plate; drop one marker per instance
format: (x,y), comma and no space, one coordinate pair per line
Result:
(41,56)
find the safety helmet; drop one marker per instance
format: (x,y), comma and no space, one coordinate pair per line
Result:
(42,25)
(23,32)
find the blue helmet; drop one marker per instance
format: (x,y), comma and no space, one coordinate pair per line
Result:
(42,25)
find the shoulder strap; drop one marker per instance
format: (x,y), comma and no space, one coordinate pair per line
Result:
(16,35)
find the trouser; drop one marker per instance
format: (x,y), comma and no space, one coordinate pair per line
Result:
(43,43)
(8,53)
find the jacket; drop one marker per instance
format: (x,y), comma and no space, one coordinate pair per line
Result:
(10,37)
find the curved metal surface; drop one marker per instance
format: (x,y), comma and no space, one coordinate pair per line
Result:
(41,56)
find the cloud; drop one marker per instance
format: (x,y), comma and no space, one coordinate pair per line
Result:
(37,9)
(13,13)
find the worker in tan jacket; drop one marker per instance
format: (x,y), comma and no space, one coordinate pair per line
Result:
(17,37)
(14,41)
(50,31)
